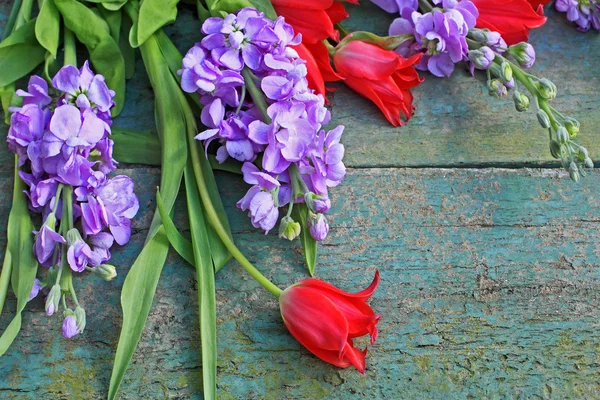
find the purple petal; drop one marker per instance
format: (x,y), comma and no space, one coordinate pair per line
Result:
(67,79)
(65,122)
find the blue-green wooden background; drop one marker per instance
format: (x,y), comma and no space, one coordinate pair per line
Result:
(489,257)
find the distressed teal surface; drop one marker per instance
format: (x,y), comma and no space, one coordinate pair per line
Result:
(490,277)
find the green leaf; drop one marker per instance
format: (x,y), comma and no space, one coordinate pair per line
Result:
(136,147)
(112,5)
(136,299)
(9,99)
(12,18)
(300,214)
(94,33)
(144,274)
(231,6)
(47,27)
(20,53)
(154,14)
(203,12)
(113,20)
(19,249)
(206,286)
(181,245)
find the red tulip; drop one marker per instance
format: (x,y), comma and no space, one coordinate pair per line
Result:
(318,65)
(511,18)
(383,76)
(325,319)
(537,3)
(314,19)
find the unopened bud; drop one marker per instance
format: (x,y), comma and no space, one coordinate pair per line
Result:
(479,35)
(504,71)
(73,236)
(318,226)
(574,172)
(524,53)
(546,88)
(521,100)
(589,163)
(80,318)
(288,228)
(53,299)
(555,149)
(562,135)
(482,58)
(496,88)
(543,119)
(105,271)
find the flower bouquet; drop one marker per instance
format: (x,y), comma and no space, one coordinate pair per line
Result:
(250,97)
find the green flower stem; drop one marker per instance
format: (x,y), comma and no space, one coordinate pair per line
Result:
(72,291)
(330,48)
(425,6)
(70,48)
(61,275)
(211,213)
(56,197)
(342,30)
(242,98)
(12,18)
(256,94)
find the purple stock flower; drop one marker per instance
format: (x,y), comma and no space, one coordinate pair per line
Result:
(84,88)
(120,204)
(328,168)
(37,92)
(35,289)
(581,12)
(26,127)
(69,327)
(46,240)
(78,253)
(396,6)
(318,226)
(72,128)
(102,243)
(439,34)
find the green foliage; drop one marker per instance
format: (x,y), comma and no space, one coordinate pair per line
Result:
(309,244)
(47,27)
(20,53)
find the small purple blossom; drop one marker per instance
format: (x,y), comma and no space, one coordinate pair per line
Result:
(46,240)
(83,88)
(37,92)
(35,289)
(396,6)
(318,226)
(69,327)
(584,13)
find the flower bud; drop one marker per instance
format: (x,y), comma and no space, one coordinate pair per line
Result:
(479,35)
(543,119)
(546,88)
(574,172)
(105,271)
(562,135)
(318,203)
(521,100)
(503,71)
(69,326)
(482,58)
(588,162)
(496,88)
(318,226)
(524,53)
(53,299)
(572,126)
(288,228)
(80,318)
(555,149)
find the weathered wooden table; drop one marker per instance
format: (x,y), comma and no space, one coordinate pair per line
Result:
(489,257)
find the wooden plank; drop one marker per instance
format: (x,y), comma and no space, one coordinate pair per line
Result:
(456,122)
(490,282)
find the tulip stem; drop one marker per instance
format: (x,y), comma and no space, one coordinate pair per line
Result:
(214,220)
(256,94)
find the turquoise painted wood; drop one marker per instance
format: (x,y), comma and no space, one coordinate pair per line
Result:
(490,276)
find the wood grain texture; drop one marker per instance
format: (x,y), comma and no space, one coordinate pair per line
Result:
(490,282)
(490,277)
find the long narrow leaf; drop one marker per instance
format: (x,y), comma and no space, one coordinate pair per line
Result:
(309,244)
(136,147)
(181,245)
(206,286)
(24,264)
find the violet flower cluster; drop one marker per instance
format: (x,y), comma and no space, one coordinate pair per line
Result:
(259,110)
(65,158)
(584,13)
(441,34)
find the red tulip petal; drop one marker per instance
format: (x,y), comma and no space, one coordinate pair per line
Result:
(303,4)
(321,56)
(337,13)
(363,295)
(313,319)
(314,76)
(512,18)
(363,60)
(355,356)
(313,24)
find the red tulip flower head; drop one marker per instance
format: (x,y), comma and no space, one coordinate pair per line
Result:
(325,319)
(383,76)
